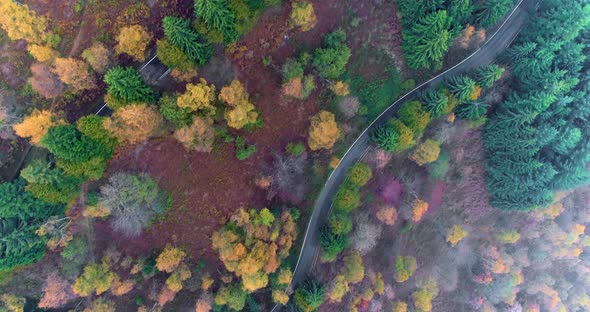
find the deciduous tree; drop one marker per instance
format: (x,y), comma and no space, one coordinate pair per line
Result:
(169,259)
(241,111)
(303,15)
(74,73)
(134,123)
(45,82)
(20,22)
(56,293)
(36,125)
(98,57)
(133,40)
(414,116)
(198,97)
(323,131)
(405,266)
(41,53)
(97,278)
(426,152)
(199,137)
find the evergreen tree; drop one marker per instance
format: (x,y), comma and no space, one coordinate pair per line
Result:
(217,15)
(486,75)
(489,12)
(180,33)
(427,41)
(462,87)
(435,102)
(125,84)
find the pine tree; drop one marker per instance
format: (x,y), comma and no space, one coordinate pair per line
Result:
(435,102)
(180,33)
(428,40)
(489,12)
(217,15)
(126,84)
(486,75)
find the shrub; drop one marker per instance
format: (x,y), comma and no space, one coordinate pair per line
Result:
(414,116)
(135,200)
(244,151)
(295,149)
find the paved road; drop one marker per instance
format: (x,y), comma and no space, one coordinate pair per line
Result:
(485,55)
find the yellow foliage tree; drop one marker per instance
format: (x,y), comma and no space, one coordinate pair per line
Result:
(400,306)
(74,73)
(206,282)
(340,88)
(509,237)
(12,303)
(456,234)
(404,268)
(101,305)
(241,111)
(420,208)
(134,123)
(280,296)
(198,97)
(303,15)
(133,40)
(96,278)
(354,271)
(475,93)
(119,288)
(199,137)
(423,297)
(42,53)
(255,281)
(169,259)
(36,125)
(284,277)
(323,132)
(174,281)
(426,152)
(20,22)
(338,288)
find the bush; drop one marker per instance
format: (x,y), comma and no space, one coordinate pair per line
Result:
(244,151)
(295,149)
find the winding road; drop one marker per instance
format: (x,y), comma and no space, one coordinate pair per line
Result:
(486,54)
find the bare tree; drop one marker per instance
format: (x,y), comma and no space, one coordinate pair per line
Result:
(289,179)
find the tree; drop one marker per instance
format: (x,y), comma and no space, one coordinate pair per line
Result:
(20,22)
(331,61)
(303,15)
(386,137)
(462,87)
(332,244)
(12,303)
(486,75)
(169,259)
(323,131)
(406,135)
(456,234)
(101,305)
(41,53)
(387,215)
(472,110)
(56,292)
(347,198)
(92,127)
(233,296)
(97,278)
(45,82)
(135,200)
(178,116)
(36,125)
(204,303)
(414,117)
(50,184)
(199,137)
(489,12)
(426,152)
(310,295)
(133,40)
(423,297)
(359,174)
(172,56)
(419,208)
(134,123)
(216,15)
(427,41)
(241,111)
(435,102)
(340,223)
(340,88)
(353,271)
(69,144)
(125,84)
(405,266)
(98,57)
(338,288)
(198,97)
(74,73)
(180,33)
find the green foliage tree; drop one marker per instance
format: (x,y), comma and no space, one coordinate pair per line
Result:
(472,110)
(179,116)
(172,56)
(486,75)
(462,87)
(125,84)
(331,61)
(359,174)
(386,137)
(340,223)
(49,183)
(180,33)
(435,102)
(414,116)
(310,296)
(67,143)
(332,244)
(489,12)
(427,41)
(92,127)
(97,278)
(216,14)
(233,296)
(347,198)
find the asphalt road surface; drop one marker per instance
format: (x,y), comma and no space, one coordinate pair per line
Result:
(497,43)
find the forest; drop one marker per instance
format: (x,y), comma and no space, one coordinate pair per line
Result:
(295,155)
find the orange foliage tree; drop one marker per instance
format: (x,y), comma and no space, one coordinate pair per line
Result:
(56,293)
(199,137)
(36,125)
(98,57)
(204,304)
(132,40)
(240,112)
(74,73)
(387,215)
(323,131)
(266,242)
(293,88)
(420,208)
(340,88)
(134,123)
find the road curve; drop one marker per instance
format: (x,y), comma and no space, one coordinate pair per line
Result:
(486,54)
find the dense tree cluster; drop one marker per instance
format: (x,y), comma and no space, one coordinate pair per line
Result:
(537,141)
